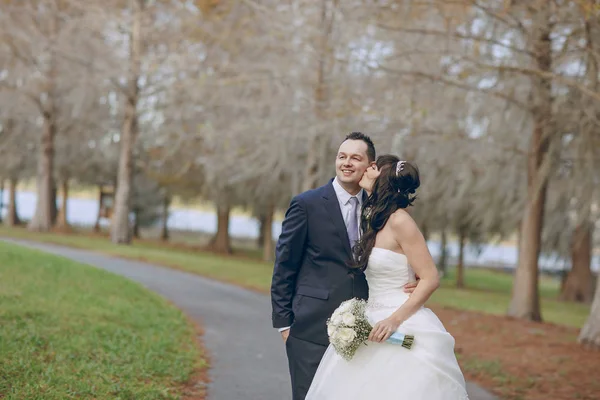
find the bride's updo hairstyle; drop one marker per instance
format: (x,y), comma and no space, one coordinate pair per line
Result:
(394,188)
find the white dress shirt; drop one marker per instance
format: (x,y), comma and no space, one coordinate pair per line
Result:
(345,206)
(344,199)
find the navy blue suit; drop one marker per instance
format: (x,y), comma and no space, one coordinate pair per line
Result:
(311,278)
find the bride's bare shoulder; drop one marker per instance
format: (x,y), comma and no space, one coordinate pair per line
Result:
(401,220)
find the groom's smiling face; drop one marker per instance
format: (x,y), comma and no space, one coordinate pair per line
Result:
(351,162)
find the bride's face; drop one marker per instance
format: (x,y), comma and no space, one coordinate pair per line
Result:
(369,178)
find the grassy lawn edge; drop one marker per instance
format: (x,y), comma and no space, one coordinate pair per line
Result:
(58,313)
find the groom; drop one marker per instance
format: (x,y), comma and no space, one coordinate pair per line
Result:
(311,277)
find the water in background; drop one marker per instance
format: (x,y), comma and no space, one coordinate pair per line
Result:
(84,211)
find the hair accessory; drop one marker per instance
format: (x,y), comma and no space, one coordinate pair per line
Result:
(399,167)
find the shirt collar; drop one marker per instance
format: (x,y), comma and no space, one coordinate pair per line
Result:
(343,196)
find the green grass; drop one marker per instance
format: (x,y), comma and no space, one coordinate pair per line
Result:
(498,281)
(487,291)
(71,331)
(570,314)
(243,271)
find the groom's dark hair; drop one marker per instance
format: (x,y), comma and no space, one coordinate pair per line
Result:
(370,146)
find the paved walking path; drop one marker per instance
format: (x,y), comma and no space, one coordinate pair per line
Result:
(247,356)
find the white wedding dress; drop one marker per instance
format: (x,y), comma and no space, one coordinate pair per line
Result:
(428,371)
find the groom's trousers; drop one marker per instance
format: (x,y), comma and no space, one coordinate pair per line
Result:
(303,358)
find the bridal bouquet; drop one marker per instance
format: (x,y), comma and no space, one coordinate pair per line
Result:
(348,328)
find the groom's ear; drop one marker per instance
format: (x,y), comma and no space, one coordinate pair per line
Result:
(372,164)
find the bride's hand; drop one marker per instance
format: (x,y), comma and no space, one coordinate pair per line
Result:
(383,330)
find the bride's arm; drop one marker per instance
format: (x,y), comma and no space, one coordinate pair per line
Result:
(410,238)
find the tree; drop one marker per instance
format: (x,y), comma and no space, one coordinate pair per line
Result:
(590,334)
(120,232)
(581,152)
(38,41)
(17,143)
(515,52)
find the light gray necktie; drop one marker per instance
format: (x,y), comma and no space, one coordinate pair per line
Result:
(352,227)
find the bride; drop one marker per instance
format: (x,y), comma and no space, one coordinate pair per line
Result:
(390,252)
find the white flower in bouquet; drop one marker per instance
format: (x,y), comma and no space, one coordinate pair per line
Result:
(345,307)
(346,335)
(336,319)
(337,314)
(330,330)
(348,319)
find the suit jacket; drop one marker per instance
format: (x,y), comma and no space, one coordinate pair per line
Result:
(311,276)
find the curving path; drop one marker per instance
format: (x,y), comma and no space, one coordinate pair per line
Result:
(247,356)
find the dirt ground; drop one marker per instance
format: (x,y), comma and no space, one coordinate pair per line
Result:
(523,360)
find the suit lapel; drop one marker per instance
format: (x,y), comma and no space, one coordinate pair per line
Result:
(335,214)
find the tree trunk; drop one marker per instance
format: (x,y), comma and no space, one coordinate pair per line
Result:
(164,231)
(525,302)
(99,215)
(12,216)
(579,283)
(590,334)
(136,224)
(62,222)
(525,296)
(221,242)
(443,263)
(261,230)
(54,203)
(1,197)
(460,266)
(42,218)
(268,250)
(120,232)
